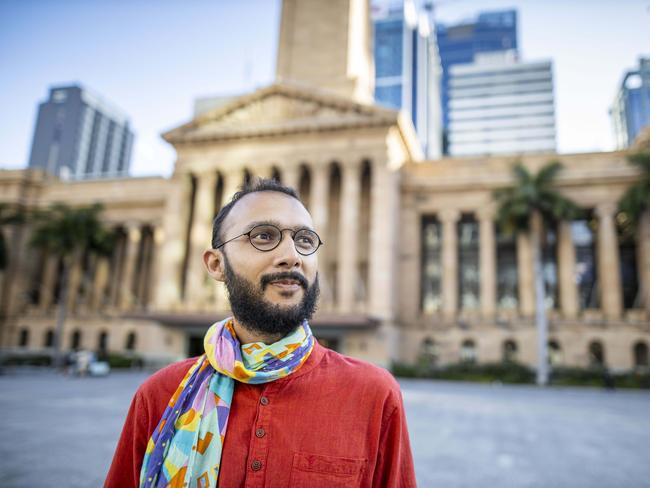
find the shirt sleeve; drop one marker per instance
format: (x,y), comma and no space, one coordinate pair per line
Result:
(127,461)
(394,468)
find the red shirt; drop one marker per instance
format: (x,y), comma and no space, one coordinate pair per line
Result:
(336,422)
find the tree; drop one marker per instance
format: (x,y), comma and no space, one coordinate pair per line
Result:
(8,216)
(636,200)
(527,206)
(67,233)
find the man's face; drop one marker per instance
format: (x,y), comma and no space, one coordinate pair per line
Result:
(270,291)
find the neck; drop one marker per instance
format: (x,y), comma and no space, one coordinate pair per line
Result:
(246,335)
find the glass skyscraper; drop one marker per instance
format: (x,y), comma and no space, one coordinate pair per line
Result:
(407,67)
(459,44)
(630,111)
(80,135)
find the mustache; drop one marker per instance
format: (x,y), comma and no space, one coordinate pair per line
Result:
(286,275)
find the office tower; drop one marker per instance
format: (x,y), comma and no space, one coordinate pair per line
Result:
(499,105)
(80,135)
(630,111)
(460,43)
(407,68)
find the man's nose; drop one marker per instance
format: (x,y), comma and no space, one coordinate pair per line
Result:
(287,256)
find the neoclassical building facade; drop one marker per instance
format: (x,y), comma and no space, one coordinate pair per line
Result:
(413,267)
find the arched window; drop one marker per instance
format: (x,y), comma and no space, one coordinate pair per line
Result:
(130,341)
(428,352)
(49,338)
(102,343)
(23,337)
(75,342)
(431,268)
(275,174)
(468,351)
(554,352)
(596,354)
(640,355)
(509,353)
(304,185)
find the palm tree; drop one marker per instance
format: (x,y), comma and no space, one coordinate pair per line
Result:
(67,233)
(8,216)
(527,206)
(636,199)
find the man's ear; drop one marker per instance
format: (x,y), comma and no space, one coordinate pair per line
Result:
(213,259)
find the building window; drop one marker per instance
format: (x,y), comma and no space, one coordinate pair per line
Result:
(431,265)
(549,266)
(629,271)
(468,262)
(509,351)
(640,355)
(507,279)
(23,337)
(554,353)
(102,343)
(596,354)
(49,338)
(583,233)
(428,356)
(130,341)
(76,340)
(468,351)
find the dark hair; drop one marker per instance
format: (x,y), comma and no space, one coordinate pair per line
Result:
(255,185)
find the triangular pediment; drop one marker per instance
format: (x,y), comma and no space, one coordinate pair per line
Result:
(281,109)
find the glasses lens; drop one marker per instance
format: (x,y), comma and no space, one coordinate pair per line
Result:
(265,237)
(306,241)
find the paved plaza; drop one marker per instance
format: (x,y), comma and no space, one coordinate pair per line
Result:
(60,431)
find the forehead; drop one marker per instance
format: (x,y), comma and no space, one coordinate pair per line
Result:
(268,206)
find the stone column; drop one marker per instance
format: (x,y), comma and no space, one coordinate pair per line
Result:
(200,237)
(232,183)
(449,219)
(384,241)
(49,279)
(487,262)
(151,278)
(74,279)
(319,209)
(133,236)
(172,252)
(567,272)
(102,271)
(348,251)
(609,266)
(525,274)
(291,176)
(643,260)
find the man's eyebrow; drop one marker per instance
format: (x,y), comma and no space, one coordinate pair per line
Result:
(295,228)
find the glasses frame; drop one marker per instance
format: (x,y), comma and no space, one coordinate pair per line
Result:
(293,234)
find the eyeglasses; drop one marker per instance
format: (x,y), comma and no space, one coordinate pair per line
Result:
(267,237)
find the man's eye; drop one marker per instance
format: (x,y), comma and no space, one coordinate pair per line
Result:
(263,236)
(306,240)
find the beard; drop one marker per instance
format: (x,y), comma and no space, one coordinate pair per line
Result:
(258,315)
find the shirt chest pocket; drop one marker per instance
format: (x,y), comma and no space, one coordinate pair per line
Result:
(318,471)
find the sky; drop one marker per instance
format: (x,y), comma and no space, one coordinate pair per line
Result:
(153,58)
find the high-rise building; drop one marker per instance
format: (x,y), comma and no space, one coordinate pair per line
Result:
(407,68)
(630,111)
(499,105)
(80,135)
(460,43)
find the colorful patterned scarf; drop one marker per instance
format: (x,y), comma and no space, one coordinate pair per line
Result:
(185,448)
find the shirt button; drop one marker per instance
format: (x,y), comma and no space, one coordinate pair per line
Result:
(264,401)
(260,432)
(256,465)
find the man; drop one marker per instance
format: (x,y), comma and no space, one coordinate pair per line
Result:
(266,405)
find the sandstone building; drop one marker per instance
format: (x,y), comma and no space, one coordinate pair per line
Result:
(413,265)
